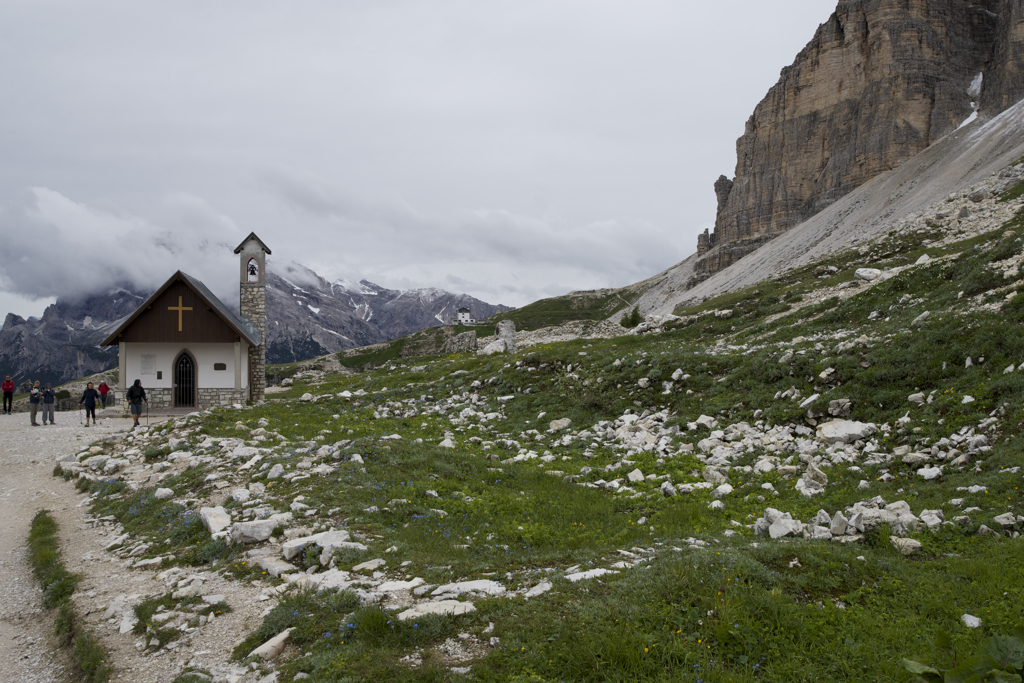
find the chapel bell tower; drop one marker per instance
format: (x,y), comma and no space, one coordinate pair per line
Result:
(253,303)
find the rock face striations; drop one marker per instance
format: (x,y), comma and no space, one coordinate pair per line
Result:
(880,81)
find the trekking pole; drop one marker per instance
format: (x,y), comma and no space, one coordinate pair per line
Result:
(147,413)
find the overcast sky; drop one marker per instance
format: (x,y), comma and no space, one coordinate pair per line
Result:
(510,150)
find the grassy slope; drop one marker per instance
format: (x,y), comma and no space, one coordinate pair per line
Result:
(737,611)
(578,306)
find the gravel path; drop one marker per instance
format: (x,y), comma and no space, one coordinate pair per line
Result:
(27,647)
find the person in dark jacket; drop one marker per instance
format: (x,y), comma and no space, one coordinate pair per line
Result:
(89,397)
(8,389)
(49,398)
(33,404)
(136,395)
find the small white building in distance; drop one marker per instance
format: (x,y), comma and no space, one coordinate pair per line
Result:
(463,317)
(192,351)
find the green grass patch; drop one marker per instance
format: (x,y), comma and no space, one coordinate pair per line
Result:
(91,665)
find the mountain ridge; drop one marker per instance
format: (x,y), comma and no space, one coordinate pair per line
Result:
(307,316)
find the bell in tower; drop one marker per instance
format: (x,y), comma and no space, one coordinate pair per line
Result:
(253,304)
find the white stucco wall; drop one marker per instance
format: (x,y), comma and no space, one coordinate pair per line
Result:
(205,354)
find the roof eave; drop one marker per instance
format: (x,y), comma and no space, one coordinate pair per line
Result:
(252,236)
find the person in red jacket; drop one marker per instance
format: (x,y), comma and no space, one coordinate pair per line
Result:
(8,389)
(104,390)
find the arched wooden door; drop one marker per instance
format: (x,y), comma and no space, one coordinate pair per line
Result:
(184,375)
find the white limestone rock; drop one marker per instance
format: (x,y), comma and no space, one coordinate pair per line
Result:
(589,574)
(539,589)
(215,519)
(370,565)
(786,527)
(275,566)
(722,491)
(970,621)
(844,431)
(273,647)
(480,587)
(494,347)
(326,540)
(253,532)
(907,546)
(867,274)
(451,607)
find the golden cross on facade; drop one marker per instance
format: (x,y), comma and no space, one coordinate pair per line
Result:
(179,309)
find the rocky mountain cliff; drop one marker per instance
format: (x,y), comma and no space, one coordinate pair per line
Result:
(924,189)
(307,316)
(880,81)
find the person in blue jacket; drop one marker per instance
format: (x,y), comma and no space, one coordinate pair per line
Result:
(49,397)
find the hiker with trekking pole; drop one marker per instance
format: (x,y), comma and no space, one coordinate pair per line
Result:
(136,395)
(89,398)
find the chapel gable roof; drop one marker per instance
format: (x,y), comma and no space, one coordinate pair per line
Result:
(252,236)
(239,325)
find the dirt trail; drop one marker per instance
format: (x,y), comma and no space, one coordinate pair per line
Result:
(27,485)
(27,645)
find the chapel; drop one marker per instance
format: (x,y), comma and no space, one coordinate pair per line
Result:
(189,349)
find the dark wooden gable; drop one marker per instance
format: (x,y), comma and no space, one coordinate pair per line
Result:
(160,319)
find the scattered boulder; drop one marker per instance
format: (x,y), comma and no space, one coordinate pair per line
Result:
(275,566)
(215,519)
(706,421)
(906,546)
(867,274)
(838,525)
(253,532)
(845,431)
(970,621)
(163,494)
(722,491)
(840,407)
(558,425)
(494,347)
(1006,519)
(481,587)
(273,647)
(450,607)
(506,332)
(461,342)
